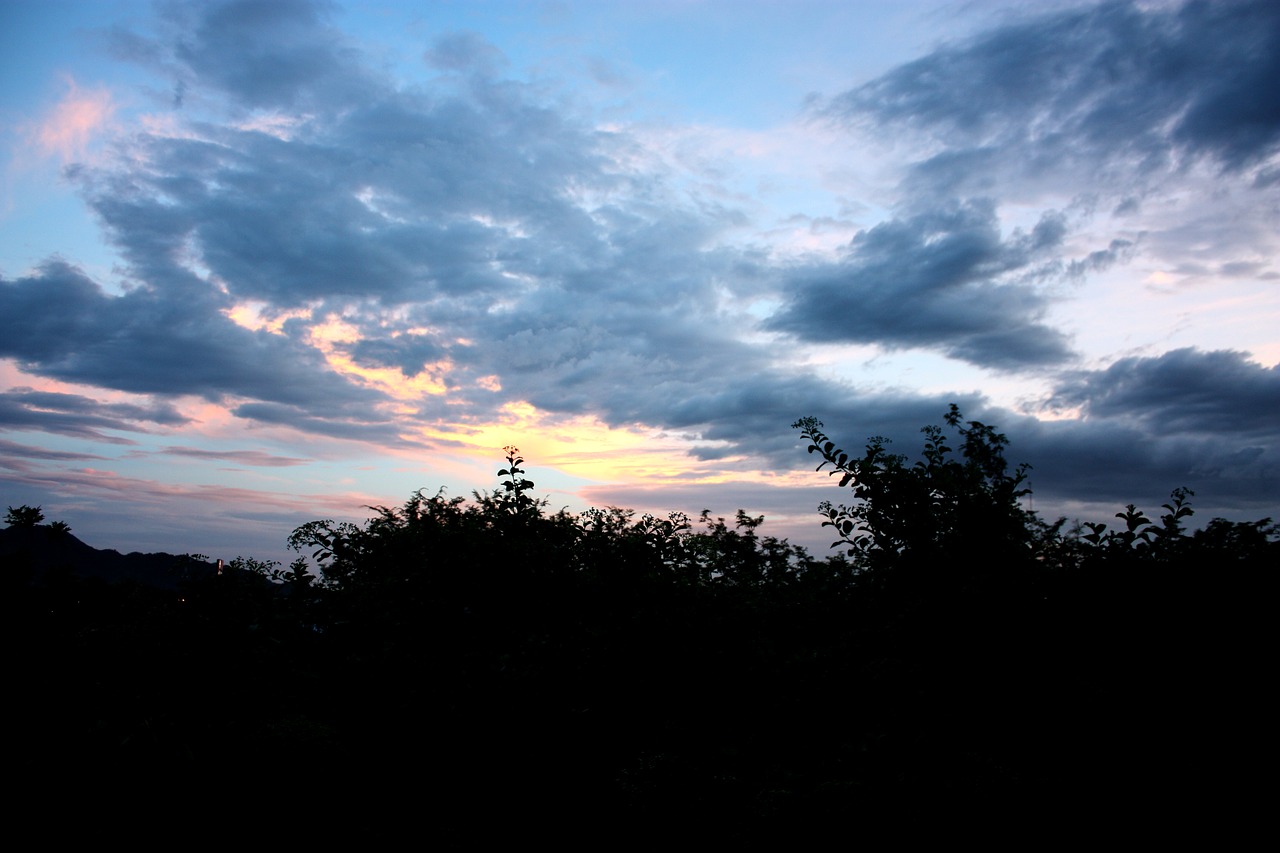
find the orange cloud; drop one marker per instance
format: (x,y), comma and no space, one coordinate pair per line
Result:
(336,330)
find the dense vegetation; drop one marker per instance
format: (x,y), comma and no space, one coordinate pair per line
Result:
(483,666)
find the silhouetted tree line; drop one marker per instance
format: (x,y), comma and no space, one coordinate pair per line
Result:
(481,668)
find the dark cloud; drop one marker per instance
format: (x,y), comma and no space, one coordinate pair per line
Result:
(402,197)
(11,451)
(943,280)
(289,223)
(1143,84)
(158,340)
(1118,252)
(1091,469)
(272,54)
(157,413)
(351,425)
(79,416)
(255,458)
(1182,391)
(409,352)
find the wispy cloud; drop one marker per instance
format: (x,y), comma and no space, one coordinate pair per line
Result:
(255,458)
(1099,90)
(72,127)
(77,415)
(14,453)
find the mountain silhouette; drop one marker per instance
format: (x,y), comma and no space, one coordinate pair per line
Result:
(42,555)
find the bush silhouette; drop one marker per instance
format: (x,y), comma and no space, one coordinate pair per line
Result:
(931,507)
(958,661)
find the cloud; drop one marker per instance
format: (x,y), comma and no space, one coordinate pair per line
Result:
(1185,390)
(465,51)
(1208,420)
(79,416)
(1104,464)
(400,198)
(74,123)
(942,280)
(255,458)
(410,353)
(1094,87)
(1103,259)
(264,54)
(350,424)
(168,340)
(12,451)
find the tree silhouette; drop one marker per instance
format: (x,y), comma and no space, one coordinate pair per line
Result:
(932,507)
(24,516)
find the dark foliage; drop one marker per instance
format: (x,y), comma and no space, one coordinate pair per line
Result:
(24,516)
(484,669)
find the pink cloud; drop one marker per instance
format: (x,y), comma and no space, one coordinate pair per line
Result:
(68,129)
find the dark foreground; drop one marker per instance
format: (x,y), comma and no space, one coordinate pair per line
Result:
(464,673)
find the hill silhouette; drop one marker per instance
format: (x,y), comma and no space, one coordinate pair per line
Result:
(43,552)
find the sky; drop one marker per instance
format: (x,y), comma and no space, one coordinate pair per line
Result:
(268,262)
